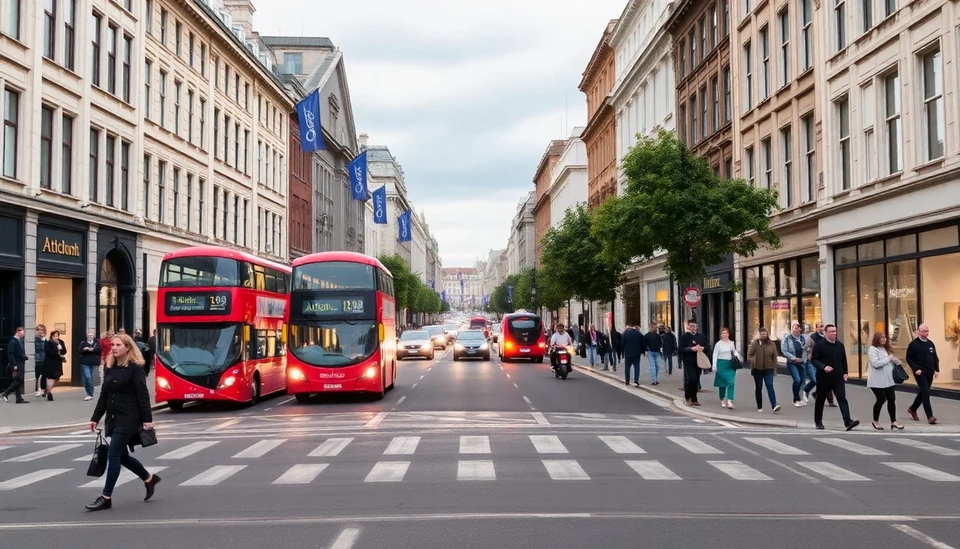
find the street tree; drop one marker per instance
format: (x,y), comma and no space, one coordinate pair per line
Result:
(673,202)
(401,279)
(572,266)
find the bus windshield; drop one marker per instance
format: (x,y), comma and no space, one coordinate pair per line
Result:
(186,272)
(333,275)
(334,344)
(199,349)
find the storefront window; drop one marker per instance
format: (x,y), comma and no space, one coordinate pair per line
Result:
(752,282)
(769,273)
(847,318)
(658,295)
(753,319)
(870,251)
(941,312)
(846,256)
(872,314)
(902,245)
(788,291)
(901,305)
(936,239)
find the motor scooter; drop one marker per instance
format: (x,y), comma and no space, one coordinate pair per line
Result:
(562,361)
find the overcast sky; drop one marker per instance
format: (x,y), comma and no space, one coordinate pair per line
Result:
(467,94)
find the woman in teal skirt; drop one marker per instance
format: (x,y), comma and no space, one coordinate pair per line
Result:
(726,379)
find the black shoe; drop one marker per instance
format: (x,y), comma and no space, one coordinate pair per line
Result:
(21,401)
(853,424)
(820,426)
(151,485)
(50,397)
(99,504)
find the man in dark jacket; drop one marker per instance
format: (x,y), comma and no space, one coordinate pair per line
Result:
(16,364)
(633,350)
(692,342)
(653,345)
(830,359)
(923,360)
(669,347)
(39,357)
(817,337)
(89,352)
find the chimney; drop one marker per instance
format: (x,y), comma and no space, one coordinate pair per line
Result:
(362,140)
(241,13)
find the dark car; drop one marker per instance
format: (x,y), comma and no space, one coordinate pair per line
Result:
(471,344)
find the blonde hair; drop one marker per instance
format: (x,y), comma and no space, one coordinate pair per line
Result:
(133,352)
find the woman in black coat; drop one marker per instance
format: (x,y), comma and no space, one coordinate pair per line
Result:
(55,351)
(125,400)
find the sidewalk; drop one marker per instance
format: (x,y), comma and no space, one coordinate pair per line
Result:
(67,410)
(861,401)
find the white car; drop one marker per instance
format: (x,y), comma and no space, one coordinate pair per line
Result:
(415,343)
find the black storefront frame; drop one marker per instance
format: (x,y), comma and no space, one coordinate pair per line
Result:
(12,280)
(885,260)
(799,295)
(120,247)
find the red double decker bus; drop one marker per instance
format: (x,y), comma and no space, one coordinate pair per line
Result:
(220,316)
(341,322)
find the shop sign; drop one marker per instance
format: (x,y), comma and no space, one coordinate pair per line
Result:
(691,296)
(711,283)
(59,245)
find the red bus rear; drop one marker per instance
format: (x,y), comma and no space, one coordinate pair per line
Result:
(522,336)
(220,317)
(341,322)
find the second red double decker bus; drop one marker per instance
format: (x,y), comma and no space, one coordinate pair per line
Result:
(341,322)
(220,316)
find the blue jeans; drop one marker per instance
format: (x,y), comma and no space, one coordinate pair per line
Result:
(633,361)
(812,376)
(653,359)
(88,379)
(668,359)
(797,373)
(761,377)
(119,455)
(592,353)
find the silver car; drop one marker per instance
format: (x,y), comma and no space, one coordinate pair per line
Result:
(415,343)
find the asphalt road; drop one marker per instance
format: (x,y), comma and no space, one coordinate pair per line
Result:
(479,454)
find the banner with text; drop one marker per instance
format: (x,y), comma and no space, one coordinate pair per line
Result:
(380,205)
(358,176)
(404,233)
(308,113)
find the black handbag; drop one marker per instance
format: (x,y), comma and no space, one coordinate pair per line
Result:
(737,365)
(148,437)
(899,374)
(98,465)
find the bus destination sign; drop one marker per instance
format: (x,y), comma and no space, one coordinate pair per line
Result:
(333,306)
(197,303)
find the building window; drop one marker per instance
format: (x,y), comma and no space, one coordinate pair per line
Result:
(784,47)
(764,63)
(163,99)
(176,197)
(177,86)
(189,202)
(246,152)
(746,8)
(293,63)
(809,152)
(703,38)
(682,60)
(715,88)
(866,11)
(786,138)
(148,16)
(163,26)
(203,123)
(806,31)
(109,168)
(891,85)
(226,139)
(693,118)
(125,175)
(236,146)
(713,26)
(49,28)
(178,39)
(216,132)
(767,154)
(843,114)
(147,189)
(11,19)
(127,57)
(190,116)
(128,5)
(236,88)
(201,192)
(750,167)
(246,208)
(216,73)
(69,33)
(162,192)
(203,60)
(728,167)
(704,116)
(933,103)
(147,78)
(236,219)
(840,22)
(190,43)
(112,37)
(66,156)
(682,123)
(727,99)
(226,213)
(725,18)
(226,79)
(46,147)
(889,6)
(748,75)
(693,50)
(95,31)
(94,163)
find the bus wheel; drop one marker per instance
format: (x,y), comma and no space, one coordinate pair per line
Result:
(255,390)
(302,398)
(175,405)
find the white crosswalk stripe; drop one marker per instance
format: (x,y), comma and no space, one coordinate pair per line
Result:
(920,445)
(346,539)
(476,470)
(852,446)
(548,444)
(621,444)
(694,445)
(565,469)
(831,471)
(3,447)
(214,475)
(303,473)
(125,477)
(738,470)
(331,447)
(189,449)
(652,470)
(260,448)
(388,471)
(776,446)
(924,472)
(474,445)
(402,446)
(33,456)
(30,478)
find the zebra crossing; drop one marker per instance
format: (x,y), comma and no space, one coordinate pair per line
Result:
(383,459)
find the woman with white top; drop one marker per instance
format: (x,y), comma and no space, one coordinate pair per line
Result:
(725,380)
(880,380)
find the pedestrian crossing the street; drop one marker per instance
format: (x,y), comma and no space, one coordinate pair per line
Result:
(379,459)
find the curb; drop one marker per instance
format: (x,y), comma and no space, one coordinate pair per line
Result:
(46,428)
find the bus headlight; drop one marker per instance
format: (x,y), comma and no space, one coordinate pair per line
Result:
(370,373)
(297,375)
(228,382)
(163,383)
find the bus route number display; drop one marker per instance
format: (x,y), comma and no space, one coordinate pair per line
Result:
(332,306)
(198,303)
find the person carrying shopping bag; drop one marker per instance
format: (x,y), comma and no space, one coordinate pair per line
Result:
(725,361)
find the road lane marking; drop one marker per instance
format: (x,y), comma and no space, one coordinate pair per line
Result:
(331,447)
(347,539)
(189,449)
(4,447)
(652,470)
(548,444)
(476,470)
(302,473)
(515,385)
(260,448)
(694,445)
(423,376)
(377,419)
(852,446)
(527,400)
(475,444)
(214,475)
(402,446)
(921,537)
(388,471)
(291,399)
(565,469)
(920,445)
(738,470)
(621,444)
(125,477)
(414,386)
(508,375)
(399,402)
(924,472)
(224,425)
(33,456)
(776,446)
(540,418)
(30,478)
(832,471)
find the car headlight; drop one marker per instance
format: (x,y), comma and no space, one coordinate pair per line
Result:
(484,347)
(458,347)
(227,382)
(163,383)
(427,345)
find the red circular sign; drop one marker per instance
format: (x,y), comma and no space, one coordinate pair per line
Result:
(691,296)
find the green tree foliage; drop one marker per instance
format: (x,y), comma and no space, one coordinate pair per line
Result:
(401,279)
(572,266)
(673,202)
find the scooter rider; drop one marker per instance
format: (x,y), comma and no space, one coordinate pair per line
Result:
(560,340)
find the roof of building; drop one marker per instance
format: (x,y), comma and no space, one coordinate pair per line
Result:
(297,41)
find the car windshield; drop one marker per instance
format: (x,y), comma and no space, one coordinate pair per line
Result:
(434,330)
(471,336)
(333,344)
(449,326)
(199,350)
(415,335)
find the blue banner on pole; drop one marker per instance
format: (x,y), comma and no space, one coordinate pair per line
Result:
(380,205)
(433,285)
(358,176)
(443,295)
(308,113)
(404,233)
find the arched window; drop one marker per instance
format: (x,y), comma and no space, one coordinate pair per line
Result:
(107,297)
